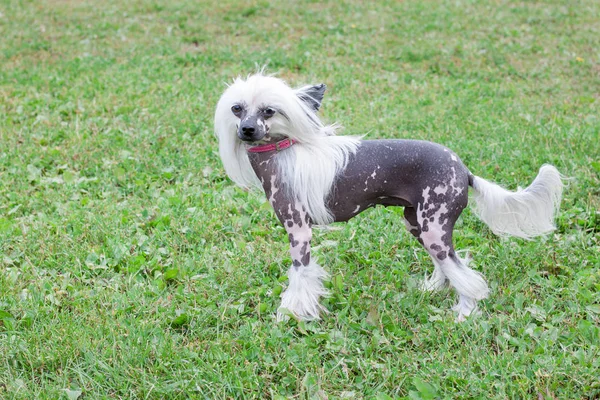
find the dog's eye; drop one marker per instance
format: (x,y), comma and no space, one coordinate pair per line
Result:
(236,108)
(269,112)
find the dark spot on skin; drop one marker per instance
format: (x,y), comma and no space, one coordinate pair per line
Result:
(423,214)
(420,241)
(296,217)
(426,206)
(431,219)
(432,210)
(304,248)
(425,227)
(441,255)
(290,224)
(293,242)
(306,218)
(447,237)
(297,263)
(306,258)
(436,247)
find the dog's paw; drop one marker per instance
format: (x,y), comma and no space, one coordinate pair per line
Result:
(301,299)
(436,282)
(302,306)
(283,314)
(465,307)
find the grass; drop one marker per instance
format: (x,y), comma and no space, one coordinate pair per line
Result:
(133,268)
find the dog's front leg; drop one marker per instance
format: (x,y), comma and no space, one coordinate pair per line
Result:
(305,286)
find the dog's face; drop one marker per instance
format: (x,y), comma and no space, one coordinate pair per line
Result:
(254,124)
(262,108)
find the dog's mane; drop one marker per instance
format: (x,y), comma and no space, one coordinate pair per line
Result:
(307,169)
(308,172)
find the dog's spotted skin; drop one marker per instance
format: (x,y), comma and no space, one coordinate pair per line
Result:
(291,214)
(427,179)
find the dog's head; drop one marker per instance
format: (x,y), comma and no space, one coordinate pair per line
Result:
(263,109)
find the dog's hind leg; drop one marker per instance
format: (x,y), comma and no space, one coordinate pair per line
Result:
(435,220)
(437,280)
(469,284)
(305,287)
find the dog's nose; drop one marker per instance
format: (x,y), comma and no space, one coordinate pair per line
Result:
(248,130)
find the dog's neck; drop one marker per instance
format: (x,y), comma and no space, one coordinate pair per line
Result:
(272,147)
(265,167)
(263,160)
(263,157)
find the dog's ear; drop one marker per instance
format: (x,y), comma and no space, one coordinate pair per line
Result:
(312,95)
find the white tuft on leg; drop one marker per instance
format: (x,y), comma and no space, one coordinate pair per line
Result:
(466,281)
(436,281)
(526,213)
(469,284)
(304,290)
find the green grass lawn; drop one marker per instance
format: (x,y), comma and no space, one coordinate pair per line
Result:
(132,268)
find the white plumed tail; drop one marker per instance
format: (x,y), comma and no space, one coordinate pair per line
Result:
(526,213)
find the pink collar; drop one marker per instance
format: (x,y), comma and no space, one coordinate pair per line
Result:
(277,146)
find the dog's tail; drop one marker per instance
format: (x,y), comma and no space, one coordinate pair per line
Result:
(526,213)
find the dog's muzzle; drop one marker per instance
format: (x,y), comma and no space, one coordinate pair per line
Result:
(251,129)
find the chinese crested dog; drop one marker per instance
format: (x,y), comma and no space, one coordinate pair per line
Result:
(271,137)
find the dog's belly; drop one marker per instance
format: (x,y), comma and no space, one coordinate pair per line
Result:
(344,211)
(395,173)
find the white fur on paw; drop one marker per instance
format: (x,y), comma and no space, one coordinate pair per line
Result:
(436,282)
(467,281)
(465,307)
(301,298)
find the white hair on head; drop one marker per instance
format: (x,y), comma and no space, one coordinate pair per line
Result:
(308,168)
(231,149)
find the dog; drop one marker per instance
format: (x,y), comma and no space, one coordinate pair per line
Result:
(271,137)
